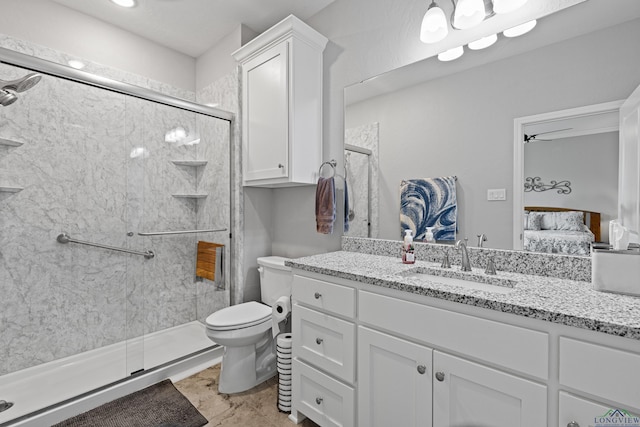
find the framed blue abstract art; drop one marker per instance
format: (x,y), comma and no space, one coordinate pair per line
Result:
(429,202)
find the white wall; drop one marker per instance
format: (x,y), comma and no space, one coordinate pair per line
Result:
(52,25)
(462,124)
(217,61)
(366,38)
(589,162)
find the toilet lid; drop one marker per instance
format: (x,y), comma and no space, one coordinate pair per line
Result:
(239,316)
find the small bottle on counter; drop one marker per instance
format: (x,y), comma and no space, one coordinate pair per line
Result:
(408,256)
(428,237)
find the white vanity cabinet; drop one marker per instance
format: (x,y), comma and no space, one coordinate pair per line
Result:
(282,105)
(323,370)
(467,393)
(370,356)
(394,381)
(453,391)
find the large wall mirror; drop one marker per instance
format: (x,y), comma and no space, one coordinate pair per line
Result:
(442,119)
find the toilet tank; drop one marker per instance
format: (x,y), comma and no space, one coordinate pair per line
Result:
(275,278)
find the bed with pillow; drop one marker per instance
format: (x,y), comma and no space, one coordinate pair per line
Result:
(560,230)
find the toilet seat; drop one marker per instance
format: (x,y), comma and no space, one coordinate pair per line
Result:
(239,316)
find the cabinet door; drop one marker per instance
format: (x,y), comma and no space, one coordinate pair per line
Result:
(266,109)
(584,413)
(469,394)
(394,381)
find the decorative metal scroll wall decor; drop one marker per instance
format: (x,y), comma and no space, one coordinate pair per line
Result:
(534,184)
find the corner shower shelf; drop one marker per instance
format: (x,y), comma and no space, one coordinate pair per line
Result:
(190,196)
(10,189)
(10,142)
(192,163)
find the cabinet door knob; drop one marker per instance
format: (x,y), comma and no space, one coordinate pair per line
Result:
(319,341)
(280,166)
(440,376)
(422,369)
(573,424)
(318,400)
(317,295)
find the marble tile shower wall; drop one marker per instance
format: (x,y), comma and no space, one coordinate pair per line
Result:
(95,164)
(214,211)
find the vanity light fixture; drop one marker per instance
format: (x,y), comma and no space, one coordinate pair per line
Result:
(125,3)
(451,54)
(483,42)
(466,14)
(520,29)
(506,6)
(434,25)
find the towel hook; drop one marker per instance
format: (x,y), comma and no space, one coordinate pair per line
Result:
(333,165)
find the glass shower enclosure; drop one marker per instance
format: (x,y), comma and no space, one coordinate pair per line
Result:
(105,190)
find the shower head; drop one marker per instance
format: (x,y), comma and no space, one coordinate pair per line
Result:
(7,97)
(21,84)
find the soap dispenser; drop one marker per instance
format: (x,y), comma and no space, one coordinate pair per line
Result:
(408,257)
(428,236)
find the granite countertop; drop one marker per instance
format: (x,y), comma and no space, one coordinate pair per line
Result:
(567,302)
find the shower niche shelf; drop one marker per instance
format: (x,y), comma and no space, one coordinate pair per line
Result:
(190,163)
(10,189)
(190,196)
(10,142)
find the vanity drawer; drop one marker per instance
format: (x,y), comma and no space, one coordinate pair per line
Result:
(324,341)
(601,371)
(321,398)
(581,411)
(325,296)
(512,347)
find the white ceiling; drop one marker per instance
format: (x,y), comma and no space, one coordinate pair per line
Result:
(194,26)
(571,22)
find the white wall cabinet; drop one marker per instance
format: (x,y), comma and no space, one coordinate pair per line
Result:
(282,105)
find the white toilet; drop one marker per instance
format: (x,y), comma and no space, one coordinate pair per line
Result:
(245,331)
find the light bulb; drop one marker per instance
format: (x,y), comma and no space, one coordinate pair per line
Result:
(434,25)
(125,3)
(74,63)
(468,13)
(506,6)
(451,54)
(520,29)
(483,42)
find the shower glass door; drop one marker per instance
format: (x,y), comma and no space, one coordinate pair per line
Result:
(88,291)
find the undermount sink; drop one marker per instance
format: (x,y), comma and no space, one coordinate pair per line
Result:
(462,279)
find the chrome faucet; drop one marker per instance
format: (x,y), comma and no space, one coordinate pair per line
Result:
(481,239)
(465,265)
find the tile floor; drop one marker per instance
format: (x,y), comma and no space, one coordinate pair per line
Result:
(253,408)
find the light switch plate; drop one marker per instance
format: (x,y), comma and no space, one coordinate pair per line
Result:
(494,194)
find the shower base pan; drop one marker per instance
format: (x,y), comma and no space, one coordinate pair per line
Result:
(79,381)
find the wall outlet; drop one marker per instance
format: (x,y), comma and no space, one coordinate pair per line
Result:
(494,194)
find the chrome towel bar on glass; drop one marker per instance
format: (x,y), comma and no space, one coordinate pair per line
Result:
(64,238)
(164,233)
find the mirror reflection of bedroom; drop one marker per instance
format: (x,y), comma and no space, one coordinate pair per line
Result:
(570,183)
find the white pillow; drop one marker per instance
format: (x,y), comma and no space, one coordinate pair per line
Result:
(570,221)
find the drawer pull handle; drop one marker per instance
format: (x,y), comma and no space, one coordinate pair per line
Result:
(573,424)
(319,341)
(318,400)
(440,376)
(317,295)
(422,369)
